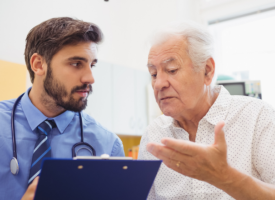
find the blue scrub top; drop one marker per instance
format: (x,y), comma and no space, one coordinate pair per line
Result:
(62,138)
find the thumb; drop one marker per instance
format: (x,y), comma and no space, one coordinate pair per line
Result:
(219,135)
(35,181)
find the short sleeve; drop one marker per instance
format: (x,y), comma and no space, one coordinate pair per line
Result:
(263,155)
(118,148)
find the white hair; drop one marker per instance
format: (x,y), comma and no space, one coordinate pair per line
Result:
(199,41)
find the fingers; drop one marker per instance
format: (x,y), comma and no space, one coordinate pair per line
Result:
(33,185)
(176,165)
(170,158)
(29,194)
(163,152)
(182,146)
(219,135)
(35,181)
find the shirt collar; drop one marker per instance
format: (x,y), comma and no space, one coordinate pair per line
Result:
(36,117)
(217,111)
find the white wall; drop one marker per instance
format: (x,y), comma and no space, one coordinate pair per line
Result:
(219,9)
(125,23)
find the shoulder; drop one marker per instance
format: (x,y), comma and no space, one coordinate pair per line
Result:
(246,100)
(6,105)
(248,105)
(251,112)
(6,109)
(102,131)
(107,138)
(237,104)
(90,121)
(5,116)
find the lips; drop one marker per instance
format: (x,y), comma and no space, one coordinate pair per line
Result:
(165,98)
(83,93)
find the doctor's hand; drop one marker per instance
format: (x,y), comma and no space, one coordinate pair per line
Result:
(203,162)
(29,194)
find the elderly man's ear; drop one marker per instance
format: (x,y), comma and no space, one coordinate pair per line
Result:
(209,71)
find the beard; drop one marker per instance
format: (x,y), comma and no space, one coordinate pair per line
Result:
(57,91)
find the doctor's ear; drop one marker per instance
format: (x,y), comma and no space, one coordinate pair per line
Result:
(38,64)
(209,71)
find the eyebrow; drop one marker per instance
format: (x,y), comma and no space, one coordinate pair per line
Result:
(150,65)
(81,58)
(168,60)
(163,62)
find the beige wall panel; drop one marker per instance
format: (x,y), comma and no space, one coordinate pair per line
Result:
(12,80)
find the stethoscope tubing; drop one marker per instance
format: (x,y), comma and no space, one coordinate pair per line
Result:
(14,161)
(12,126)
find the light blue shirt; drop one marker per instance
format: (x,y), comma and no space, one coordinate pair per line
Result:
(62,138)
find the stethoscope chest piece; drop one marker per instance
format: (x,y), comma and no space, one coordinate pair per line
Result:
(14,166)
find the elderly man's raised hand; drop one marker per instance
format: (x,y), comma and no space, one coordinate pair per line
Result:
(202,162)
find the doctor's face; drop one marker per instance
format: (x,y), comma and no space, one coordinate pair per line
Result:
(69,76)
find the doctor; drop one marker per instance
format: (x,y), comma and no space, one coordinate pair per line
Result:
(60,54)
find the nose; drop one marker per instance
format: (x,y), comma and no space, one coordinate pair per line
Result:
(87,77)
(161,82)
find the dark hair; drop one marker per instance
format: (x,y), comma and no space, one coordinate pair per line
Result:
(50,36)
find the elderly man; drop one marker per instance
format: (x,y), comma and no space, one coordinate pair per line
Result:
(213,145)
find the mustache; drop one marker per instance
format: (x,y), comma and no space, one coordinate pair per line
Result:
(83,87)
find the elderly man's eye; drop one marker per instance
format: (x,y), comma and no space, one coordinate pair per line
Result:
(154,75)
(173,71)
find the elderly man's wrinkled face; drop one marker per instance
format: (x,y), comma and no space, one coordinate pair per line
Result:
(177,86)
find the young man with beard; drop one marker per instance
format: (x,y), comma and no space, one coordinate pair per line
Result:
(60,54)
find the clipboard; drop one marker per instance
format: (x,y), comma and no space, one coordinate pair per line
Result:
(100,179)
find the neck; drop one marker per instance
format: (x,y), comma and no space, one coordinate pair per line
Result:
(191,118)
(43,102)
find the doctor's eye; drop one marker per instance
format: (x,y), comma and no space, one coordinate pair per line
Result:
(75,64)
(153,75)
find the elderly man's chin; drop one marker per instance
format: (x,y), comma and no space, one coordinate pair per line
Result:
(167,105)
(169,110)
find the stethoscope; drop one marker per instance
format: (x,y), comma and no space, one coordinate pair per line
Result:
(14,165)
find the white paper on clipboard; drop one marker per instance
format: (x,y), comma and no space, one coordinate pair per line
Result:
(102,157)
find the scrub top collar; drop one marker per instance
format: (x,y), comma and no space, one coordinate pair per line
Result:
(36,117)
